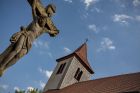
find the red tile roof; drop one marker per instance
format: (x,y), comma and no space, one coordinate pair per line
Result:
(127,83)
(81,54)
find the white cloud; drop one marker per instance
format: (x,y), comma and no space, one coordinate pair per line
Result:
(42,52)
(136,3)
(119,3)
(92,27)
(85,15)
(122,18)
(97,10)
(105,28)
(138,18)
(47,73)
(16,88)
(89,2)
(30,88)
(5,87)
(41,44)
(67,50)
(50,54)
(42,84)
(70,1)
(106,44)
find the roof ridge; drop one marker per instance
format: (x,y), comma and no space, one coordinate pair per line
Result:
(126,74)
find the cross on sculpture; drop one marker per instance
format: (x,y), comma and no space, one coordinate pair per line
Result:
(21,42)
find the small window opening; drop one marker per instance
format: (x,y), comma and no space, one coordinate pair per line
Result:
(78,74)
(60,70)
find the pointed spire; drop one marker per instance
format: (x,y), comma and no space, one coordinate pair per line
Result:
(86,40)
(82,51)
(81,54)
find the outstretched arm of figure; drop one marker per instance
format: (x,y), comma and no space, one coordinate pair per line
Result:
(50,28)
(37,8)
(52,33)
(33,4)
(34,10)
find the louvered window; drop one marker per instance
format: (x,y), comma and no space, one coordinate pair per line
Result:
(78,74)
(61,68)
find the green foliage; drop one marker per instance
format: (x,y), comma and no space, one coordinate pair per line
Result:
(28,91)
(19,91)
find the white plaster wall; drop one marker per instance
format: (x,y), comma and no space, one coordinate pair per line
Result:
(69,77)
(56,79)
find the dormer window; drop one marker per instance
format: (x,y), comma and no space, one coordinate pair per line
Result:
(78,74)
(60,70)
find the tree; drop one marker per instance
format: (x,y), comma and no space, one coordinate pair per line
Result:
(19,91)
(34,90)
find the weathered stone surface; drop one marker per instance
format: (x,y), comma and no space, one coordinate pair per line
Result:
(21,42)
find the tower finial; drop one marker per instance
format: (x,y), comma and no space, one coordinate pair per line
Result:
(86,40)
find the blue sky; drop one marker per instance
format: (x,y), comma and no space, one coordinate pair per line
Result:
(112,27)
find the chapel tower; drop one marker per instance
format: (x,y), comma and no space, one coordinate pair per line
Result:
(70,69)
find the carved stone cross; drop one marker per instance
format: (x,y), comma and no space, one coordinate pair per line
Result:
(21,42)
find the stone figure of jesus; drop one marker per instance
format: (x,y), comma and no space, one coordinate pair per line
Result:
(21,42)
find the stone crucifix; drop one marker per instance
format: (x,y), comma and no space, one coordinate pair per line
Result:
(21,42)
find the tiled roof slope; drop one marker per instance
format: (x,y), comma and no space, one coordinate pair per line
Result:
(128,83)
(81,54)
